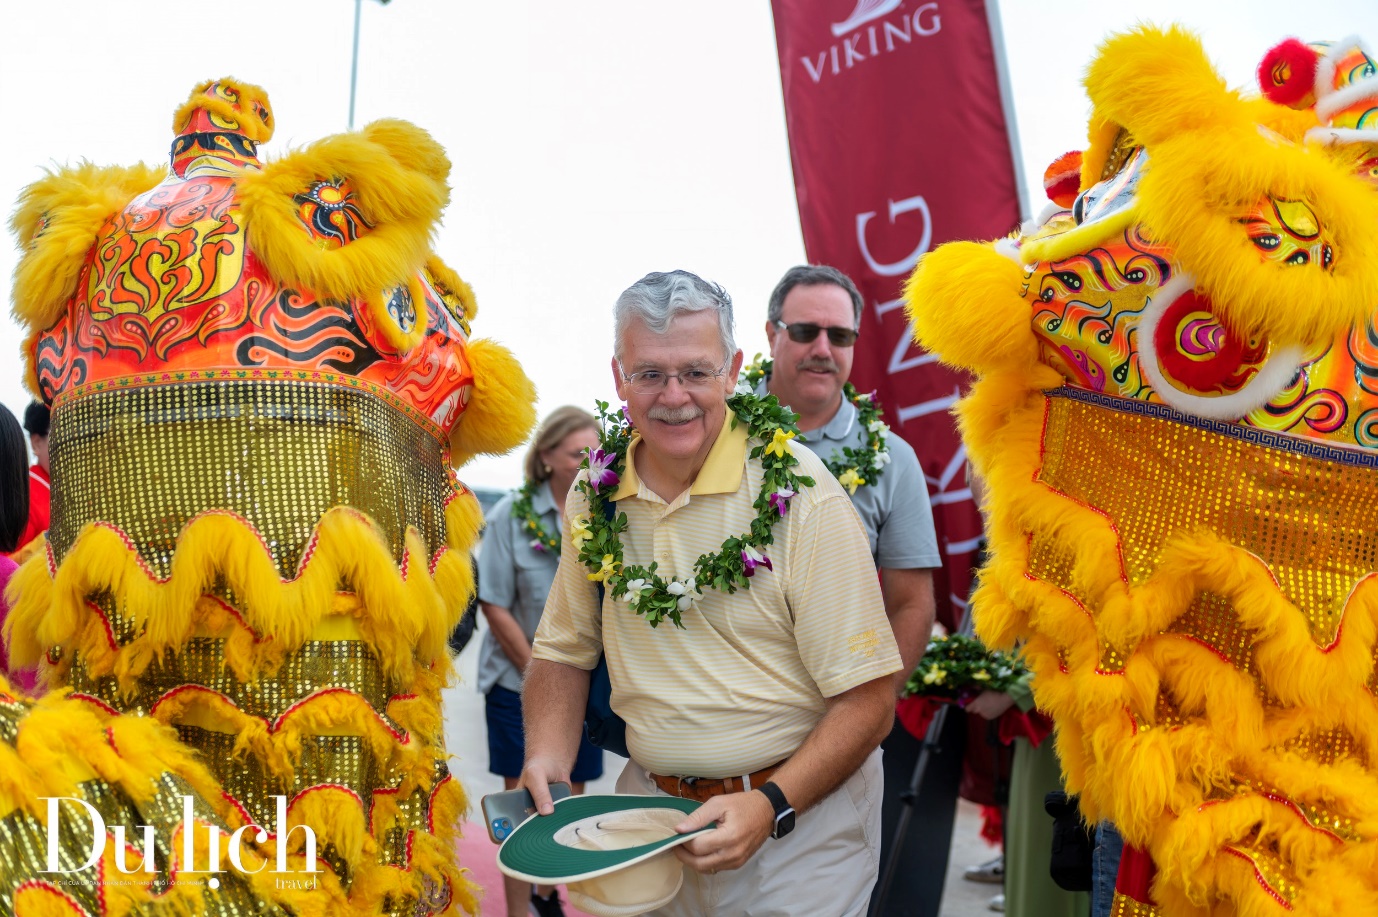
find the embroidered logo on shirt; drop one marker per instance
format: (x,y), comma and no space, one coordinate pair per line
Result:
(864,644)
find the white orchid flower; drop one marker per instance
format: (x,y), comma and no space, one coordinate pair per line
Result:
(688,592)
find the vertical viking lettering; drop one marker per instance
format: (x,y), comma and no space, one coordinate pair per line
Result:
(905,264)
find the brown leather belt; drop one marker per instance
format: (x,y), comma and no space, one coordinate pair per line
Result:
(701,789)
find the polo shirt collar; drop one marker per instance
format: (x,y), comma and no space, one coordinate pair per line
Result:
(840,427)
(543,501)
(837,429)
(721,472)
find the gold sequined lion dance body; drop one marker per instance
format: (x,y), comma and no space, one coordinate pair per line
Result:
(1176,414)
(261,380)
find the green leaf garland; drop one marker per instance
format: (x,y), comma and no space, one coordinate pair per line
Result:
(853,468)
(598,534)
(542,539)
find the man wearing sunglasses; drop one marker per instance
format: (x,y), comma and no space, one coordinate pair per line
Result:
(812,323)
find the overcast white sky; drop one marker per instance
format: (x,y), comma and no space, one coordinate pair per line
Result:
(592,142)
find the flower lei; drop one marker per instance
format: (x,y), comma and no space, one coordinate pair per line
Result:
(853,468)
(599,538)
(542,541)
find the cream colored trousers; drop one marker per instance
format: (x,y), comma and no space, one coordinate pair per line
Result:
(825,867)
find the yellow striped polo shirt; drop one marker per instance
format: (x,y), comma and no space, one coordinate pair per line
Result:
(742,685)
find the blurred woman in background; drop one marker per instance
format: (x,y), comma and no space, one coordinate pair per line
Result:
(521,549)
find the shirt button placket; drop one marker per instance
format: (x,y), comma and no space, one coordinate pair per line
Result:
(662,547)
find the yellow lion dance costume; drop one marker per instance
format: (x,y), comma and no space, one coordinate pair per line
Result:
(1176,413)
(261,380)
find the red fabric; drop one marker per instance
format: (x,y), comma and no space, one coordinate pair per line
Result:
(1136,874)
(1033,726)
(915,713)
(898,140)
(40,503)
(993,825)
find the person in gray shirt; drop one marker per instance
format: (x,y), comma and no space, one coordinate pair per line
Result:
(516,565)
(812,324)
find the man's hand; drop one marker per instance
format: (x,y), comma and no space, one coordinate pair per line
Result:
(990,704)
(744,820)
(537,776)
(554,696)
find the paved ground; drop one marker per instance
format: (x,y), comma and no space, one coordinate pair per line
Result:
(466,740)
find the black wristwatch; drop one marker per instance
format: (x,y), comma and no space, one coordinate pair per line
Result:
(784,812)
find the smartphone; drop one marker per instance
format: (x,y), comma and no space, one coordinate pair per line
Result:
(502,812)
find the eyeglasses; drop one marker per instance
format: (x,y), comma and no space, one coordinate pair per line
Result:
(806,332)
(651,381)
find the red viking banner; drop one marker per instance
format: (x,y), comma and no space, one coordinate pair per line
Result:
(900,141)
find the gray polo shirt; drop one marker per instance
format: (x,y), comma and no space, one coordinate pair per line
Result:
(515,576)
(895,510)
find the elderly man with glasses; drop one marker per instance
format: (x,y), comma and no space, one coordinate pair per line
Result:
(770,701)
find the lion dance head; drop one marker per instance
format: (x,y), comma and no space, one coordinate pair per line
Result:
(1176,415)
(262,380)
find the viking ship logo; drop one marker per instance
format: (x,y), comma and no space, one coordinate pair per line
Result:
(865,11)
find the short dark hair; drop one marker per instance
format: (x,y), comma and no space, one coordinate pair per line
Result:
(36,418)
(812,275)
(14,481)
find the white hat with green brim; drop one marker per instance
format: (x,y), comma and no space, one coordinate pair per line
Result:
(613,852)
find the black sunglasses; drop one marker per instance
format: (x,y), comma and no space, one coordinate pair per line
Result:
(806,332)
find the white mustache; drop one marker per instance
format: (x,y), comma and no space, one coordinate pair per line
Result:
(675,415)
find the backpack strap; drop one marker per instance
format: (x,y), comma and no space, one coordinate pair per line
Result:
(604,729)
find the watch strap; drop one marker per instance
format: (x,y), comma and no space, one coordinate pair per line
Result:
(778,802)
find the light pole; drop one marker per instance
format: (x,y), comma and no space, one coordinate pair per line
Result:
(354,61)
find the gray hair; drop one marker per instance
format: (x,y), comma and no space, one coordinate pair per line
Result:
(657,298)
(812,275)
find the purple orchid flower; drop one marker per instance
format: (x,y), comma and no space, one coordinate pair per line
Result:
(600,474)
(537,544)
(752,558)
(780,500)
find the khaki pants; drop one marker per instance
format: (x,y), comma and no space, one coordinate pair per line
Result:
(826,866)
